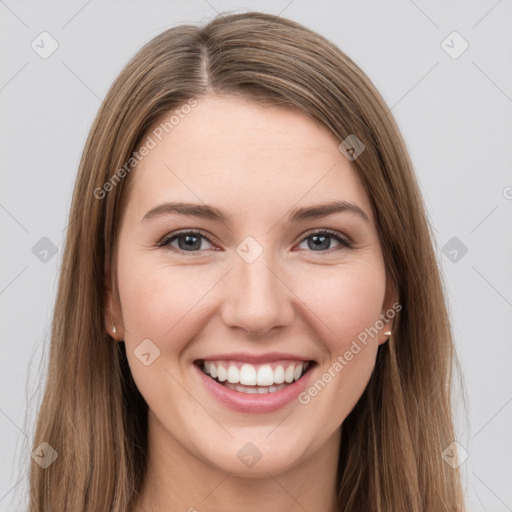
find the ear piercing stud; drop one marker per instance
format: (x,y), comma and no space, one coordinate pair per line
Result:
(387,333)
(114,330)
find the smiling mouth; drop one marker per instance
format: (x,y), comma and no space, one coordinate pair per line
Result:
(254,379)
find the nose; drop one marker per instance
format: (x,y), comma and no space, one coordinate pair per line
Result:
(257,298)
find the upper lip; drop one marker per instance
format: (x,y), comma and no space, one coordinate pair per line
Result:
(254,358)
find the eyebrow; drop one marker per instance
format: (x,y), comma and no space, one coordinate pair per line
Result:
(212,213)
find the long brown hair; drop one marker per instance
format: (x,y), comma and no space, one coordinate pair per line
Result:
(92,413)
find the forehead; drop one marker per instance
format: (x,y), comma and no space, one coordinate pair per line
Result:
(229,151)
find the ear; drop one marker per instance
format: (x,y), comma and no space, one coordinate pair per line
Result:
(113,316)
(390,309)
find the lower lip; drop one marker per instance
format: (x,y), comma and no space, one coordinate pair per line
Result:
(252,402)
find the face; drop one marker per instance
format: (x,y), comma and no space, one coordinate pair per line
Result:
(252,280)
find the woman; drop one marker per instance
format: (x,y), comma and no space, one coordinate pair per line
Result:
(250,314)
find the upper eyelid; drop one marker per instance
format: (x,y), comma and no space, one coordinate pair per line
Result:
(175,234)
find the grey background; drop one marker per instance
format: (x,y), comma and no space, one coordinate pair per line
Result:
(455,114)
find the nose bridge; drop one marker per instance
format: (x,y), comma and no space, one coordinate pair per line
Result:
(258,300)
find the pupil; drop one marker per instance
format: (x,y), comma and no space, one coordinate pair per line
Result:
(189,242)
(323,244)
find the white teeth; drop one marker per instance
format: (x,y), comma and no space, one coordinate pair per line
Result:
(255,390)
(265,376)
(222,374)
(247,375)
(279,375)
(251,375)
(288,374)
(233,374)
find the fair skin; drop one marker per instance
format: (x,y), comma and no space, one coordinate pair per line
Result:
(257,165)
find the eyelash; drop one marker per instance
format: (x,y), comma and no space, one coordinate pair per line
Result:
(345,243)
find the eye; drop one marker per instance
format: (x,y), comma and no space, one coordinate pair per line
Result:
(188,241)
(320,241)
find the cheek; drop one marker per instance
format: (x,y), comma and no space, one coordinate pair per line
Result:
(160,303)
(345,301)
(158,299)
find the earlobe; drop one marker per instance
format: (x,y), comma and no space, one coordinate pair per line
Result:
(387,322)
(384,335)
(391,307)
(108,319)
(112,315)
(112,326)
